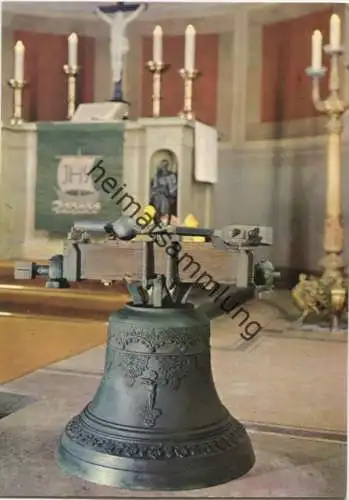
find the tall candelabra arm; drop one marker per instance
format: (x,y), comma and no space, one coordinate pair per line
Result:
(346,104)
(335,55)
(319,103)
(328,294)
(316,74)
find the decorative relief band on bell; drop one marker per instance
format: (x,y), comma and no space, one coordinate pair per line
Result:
(169,372)
(171,340)
(222,442)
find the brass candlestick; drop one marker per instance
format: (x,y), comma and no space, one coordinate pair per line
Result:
(17,87)
(188,76)
(71,72)
(329,293)
(156,68)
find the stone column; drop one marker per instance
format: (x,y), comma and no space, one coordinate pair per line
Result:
(240,65)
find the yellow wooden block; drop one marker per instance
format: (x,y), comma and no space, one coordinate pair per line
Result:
(142,237)
(191,221)
(150,211)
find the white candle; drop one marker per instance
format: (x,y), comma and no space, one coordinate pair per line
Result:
(189,54)
(316,50)
(335,32)
(157,45)
(73,50)
(19,62)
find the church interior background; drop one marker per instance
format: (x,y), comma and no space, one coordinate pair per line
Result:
(271,171)
(252,88)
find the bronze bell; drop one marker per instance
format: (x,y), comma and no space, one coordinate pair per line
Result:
(156,421)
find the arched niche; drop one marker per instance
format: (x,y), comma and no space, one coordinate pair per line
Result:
(163,176)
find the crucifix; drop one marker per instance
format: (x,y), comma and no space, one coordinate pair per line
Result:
(116,17)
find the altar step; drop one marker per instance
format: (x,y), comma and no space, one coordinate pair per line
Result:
(83,301)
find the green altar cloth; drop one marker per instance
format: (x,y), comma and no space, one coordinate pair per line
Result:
(66,153)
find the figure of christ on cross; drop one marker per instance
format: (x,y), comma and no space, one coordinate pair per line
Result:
(116,17)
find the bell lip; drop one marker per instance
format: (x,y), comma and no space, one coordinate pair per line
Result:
(136,480)
(205,471)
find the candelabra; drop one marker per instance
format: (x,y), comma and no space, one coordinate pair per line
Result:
(156,68)
(17,88)
(71,72)
(189,76)
(328,293)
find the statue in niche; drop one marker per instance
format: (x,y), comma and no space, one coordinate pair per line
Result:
(163,190)
(114,16)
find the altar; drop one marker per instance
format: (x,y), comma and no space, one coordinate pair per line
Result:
(45,183)
(48,173)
